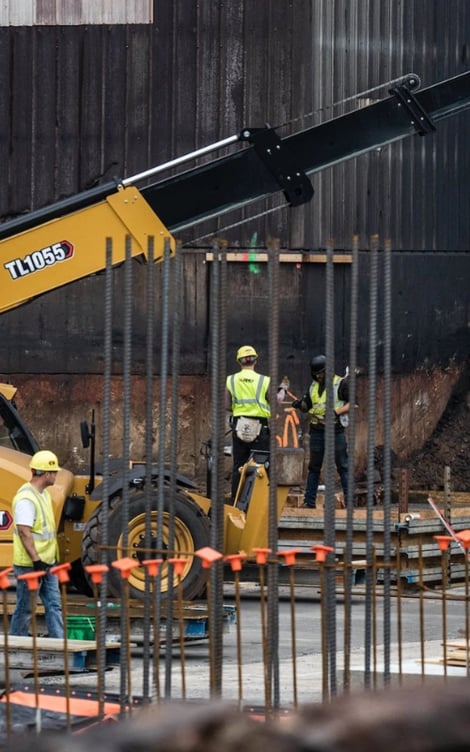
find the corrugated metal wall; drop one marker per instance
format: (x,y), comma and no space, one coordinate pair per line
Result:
(82,104)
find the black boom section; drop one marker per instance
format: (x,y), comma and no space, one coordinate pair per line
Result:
(242,178)
(257,172)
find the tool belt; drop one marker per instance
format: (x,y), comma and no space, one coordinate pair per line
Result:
(248,429)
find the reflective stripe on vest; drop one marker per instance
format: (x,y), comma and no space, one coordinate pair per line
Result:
(42,531)
(318,409)
(248,390)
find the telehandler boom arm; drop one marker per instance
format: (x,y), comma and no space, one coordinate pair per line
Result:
(61,243)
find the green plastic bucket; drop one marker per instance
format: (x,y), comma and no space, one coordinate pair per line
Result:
(81,627)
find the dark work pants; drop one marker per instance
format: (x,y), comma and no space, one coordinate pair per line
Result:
(317,452)
(241,451)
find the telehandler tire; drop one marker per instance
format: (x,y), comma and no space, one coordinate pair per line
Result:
(191,531)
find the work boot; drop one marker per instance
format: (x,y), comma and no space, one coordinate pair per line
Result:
(308,506)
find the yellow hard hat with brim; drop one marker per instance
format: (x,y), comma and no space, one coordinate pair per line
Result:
(44,461)
(246,351)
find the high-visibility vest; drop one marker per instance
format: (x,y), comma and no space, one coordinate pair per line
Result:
(318,409)
(43,529)
(248,390)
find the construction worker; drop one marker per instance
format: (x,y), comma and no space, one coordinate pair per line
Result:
(35,546)
(314,403)
(247,399)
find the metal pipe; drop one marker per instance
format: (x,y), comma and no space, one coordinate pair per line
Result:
(180,160)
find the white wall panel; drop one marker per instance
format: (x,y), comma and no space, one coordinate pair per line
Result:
(74,12)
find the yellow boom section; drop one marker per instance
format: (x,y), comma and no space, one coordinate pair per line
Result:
(74,246)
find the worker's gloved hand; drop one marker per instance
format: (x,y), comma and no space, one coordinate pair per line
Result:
(40,566)
(296,404)
(285,383)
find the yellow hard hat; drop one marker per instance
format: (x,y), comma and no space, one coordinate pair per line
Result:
(44,461)
(246,351)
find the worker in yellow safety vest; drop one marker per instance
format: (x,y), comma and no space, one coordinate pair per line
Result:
(35,547)
(247,401)
(314,403)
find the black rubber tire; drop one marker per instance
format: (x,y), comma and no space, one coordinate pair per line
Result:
(192,531)
(79,580)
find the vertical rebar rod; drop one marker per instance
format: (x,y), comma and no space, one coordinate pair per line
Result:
(63,596)
(181,634)
(444,555)
(153,567)
(235,561)
(387,443)
(177,299)
(330,496)
(179,565)
(324,635)
(348,575)
(448,510)
(156,638)
(422,636)
(289,557)
(350,501)
(162,437)
(239,638)
(217,369)
(33,584)
(399,612)
(467,619)
(125,583)
(272,628)
(149,374)
(4,584)
(125,668)
(371,426)
(99,675)
(125,565)
(262,604)
(374,614)
(103,552)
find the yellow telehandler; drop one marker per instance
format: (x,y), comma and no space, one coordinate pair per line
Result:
(56,245)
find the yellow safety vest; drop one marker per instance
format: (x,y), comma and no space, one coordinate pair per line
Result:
(43,529)
(248,390)
(318,409)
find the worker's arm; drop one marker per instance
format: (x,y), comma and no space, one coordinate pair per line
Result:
(342,410)
(303,404)
(282,390)
(26,535)
(343,394)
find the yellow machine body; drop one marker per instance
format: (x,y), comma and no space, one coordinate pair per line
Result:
(69,248)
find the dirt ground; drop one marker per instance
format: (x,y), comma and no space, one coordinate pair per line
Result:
(448,446)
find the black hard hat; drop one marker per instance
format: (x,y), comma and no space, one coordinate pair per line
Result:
(317,364)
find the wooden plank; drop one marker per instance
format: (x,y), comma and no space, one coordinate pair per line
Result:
(50,653)
(293,258)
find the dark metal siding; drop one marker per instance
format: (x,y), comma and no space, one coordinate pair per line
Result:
(63,331)
(83,104)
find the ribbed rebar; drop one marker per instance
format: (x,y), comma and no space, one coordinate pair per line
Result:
(149,348)
(371,423)
(273,567)
(348,571)
(174,427)
(329,464)
(106,420)
(387,444)
(162,436)
(126,437)
(217,369)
